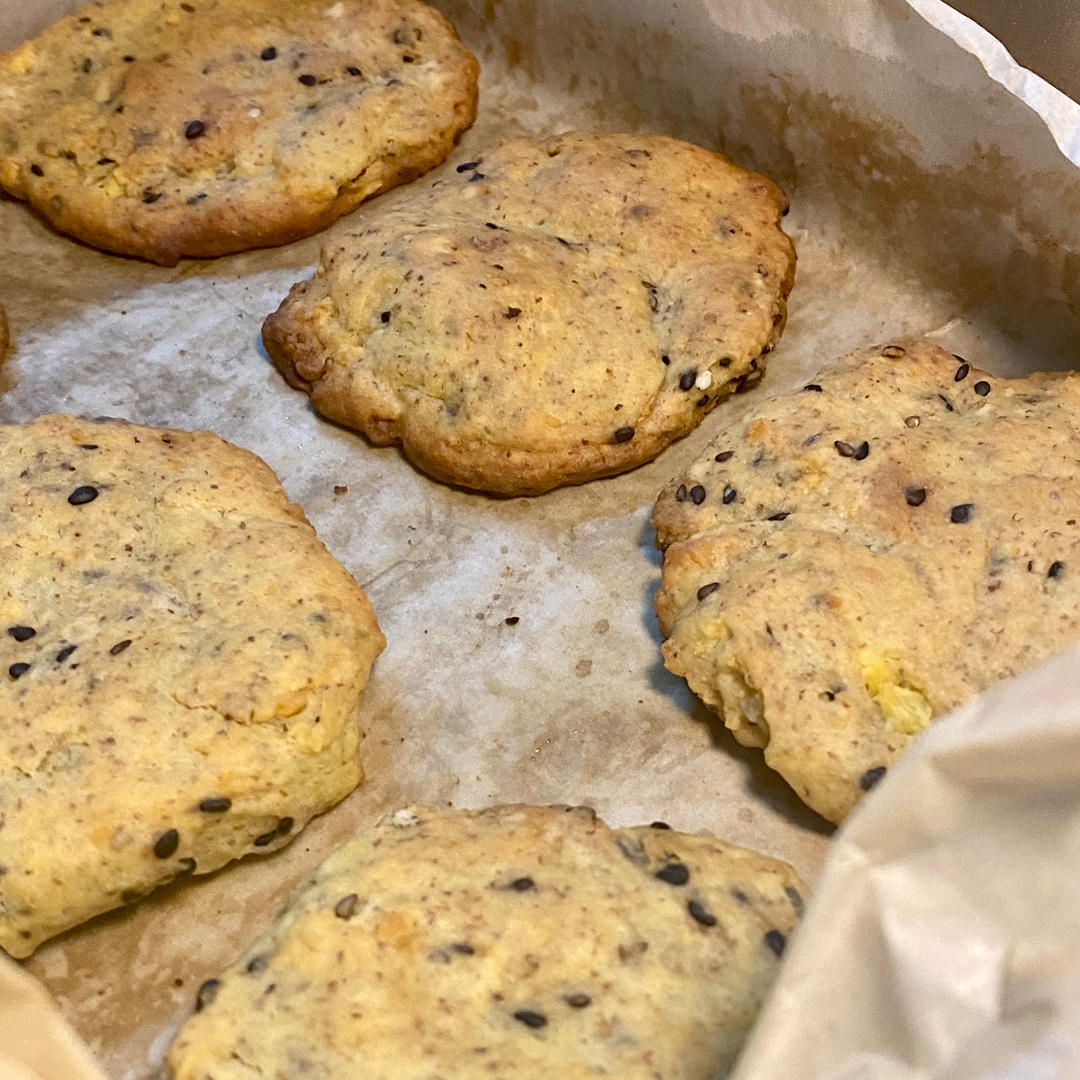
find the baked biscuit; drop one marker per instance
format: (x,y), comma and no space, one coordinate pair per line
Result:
(860,557)
(180,664)
(550,312)
(168,128)
(524,942)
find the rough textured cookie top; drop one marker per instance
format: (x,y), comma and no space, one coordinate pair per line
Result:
(165,128)
(549,312)
(863,555)
(517,942)
(180,663)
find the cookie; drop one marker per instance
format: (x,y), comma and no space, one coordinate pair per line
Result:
(861,556)
(180,665)
(167,128)
(548,313)
(524,942)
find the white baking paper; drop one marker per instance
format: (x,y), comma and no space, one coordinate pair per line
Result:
(926,198)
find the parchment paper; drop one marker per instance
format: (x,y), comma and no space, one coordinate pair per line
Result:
(926,198)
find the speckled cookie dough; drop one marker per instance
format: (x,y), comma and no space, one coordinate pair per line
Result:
(547,313)
(524,942)
(168,128)
(180,665)
(862,556)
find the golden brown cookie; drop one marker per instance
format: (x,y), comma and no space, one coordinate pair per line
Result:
(168,128)
(859,557)
(548,313)
(180,665)
(523,942)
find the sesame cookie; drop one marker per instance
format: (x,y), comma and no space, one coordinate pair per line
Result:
(180,664)
(167,128)
(860,557)
(524,942)
(548,313)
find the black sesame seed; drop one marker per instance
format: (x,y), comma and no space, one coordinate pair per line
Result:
(512,312)
(701,913)
(522,884)
(129,59)
(150,196)
(687,380)
(307,80)
(729,496)
(665,360)
(258,963)
(477,176)
(961,514)
(862,451)
(82,495)
(680,493)
(946,402)
(701,401)
(697,494)
(215,804)
(345,908)
(284,826)
(781,515)
(577,1001)
(624,434)
(105,161)
(725,455)
(353,70)
(65,652)
(962,372)
(37,170)
(512,620)
(16,671)
(21,633)
(269,53)
(813,387)
(530,1018)
(101,31)
(915,496)
(674,873)
(463,948)
(193,129)
(659,825)
(982,388)
(87,66)
(871,777)
(708,590)
(266,838)
(893,352)
(207,992)
(385,316)
(776,941)
(166,844)
(467,166)
(1057,568)
(845,449)
(88,446)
